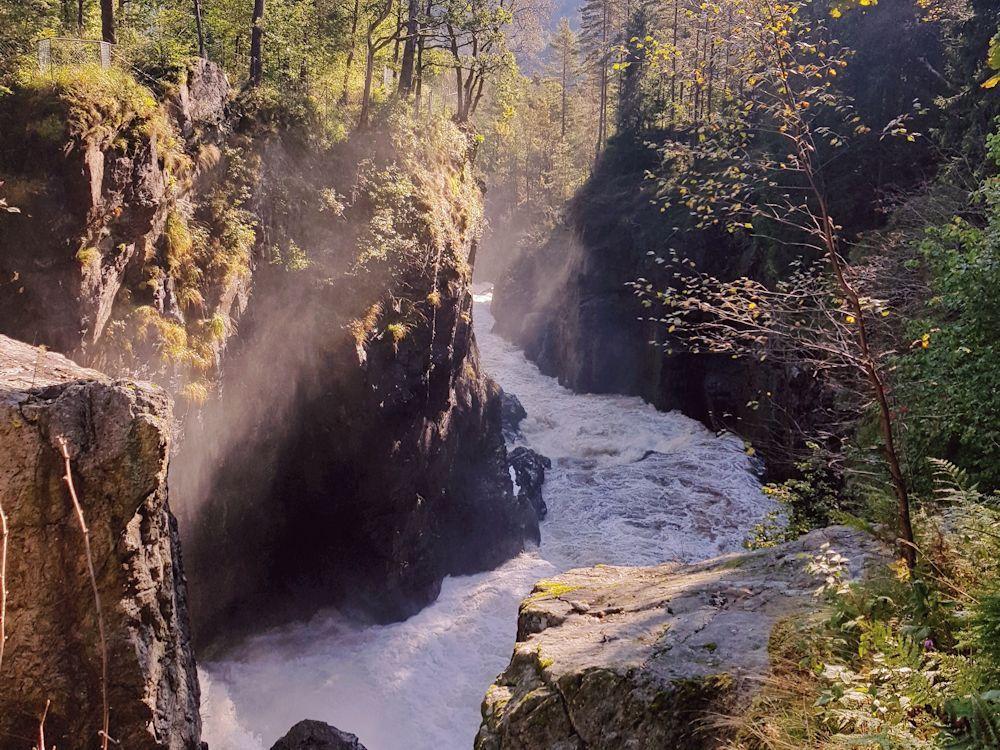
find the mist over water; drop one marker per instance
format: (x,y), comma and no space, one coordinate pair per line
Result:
(629,485)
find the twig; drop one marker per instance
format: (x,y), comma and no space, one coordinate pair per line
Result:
(3,582)
(41,726)
(68,478)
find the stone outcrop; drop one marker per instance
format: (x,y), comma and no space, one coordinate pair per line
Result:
(512,413)
(316,735)
(116,433)
(613,657)
(90,266)
(356,456)
(529,475)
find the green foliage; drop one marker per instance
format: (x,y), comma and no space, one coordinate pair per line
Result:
(950,377)
(899,661)
(993,63)
(87,103)
(979,719)
(815,498)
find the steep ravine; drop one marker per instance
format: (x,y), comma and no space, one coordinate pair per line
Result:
(308,306)
(629,485)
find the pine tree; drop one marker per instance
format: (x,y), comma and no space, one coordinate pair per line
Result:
(566,49)
(601,22)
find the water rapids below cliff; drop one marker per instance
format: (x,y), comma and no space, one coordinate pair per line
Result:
(629,486)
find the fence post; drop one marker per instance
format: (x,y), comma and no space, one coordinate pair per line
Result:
(45,55)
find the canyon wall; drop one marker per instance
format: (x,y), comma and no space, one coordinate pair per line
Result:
(306,300)
(357,446)
(117,436)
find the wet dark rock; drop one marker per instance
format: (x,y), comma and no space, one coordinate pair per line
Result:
(316,735)
(117,433)
(529,471)
(512,413)
(356,456)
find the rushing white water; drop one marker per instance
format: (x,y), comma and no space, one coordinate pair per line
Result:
(629,486)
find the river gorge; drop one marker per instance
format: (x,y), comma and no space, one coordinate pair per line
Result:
(629,485)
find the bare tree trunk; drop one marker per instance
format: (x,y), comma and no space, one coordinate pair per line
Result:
(395,48)
(108,21)
(479,95)
(565,80)
(256,35)
(458,72)
(79,16)
(350,52)
(673,67)
(198,29)
(602,117)
(409,48)
(366,94)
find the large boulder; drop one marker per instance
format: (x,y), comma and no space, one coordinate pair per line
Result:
(116,434)
(614,657)
(529,468)
(316,735)
(512,413)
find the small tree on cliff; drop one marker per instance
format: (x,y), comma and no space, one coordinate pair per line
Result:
(756,167)
(256,43)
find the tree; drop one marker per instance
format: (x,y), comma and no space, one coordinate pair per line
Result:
(564,45)
(597,37)
(727,177)
(474,33)
(406,68)
(256,37)
(198,29)
(377,13)
(108,21)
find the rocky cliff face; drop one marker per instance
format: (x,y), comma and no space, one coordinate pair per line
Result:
(356,456)
(117,436)
(115,190)
(568,304)
(610,657)
(338,440)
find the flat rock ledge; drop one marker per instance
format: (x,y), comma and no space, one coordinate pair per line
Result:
(116,433)
(622,658)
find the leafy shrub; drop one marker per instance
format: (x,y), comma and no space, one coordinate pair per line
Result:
(950,377)
(816,497)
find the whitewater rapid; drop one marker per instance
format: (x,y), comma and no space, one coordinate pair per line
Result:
(629,485)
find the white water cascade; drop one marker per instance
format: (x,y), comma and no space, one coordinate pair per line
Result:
(629,486)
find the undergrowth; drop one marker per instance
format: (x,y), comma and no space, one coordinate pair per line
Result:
(899,661)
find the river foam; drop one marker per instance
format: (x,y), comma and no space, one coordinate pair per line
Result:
(629,486)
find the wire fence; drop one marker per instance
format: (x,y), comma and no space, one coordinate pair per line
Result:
(56,52)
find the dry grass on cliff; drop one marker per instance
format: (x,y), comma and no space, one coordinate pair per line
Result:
(782,714)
